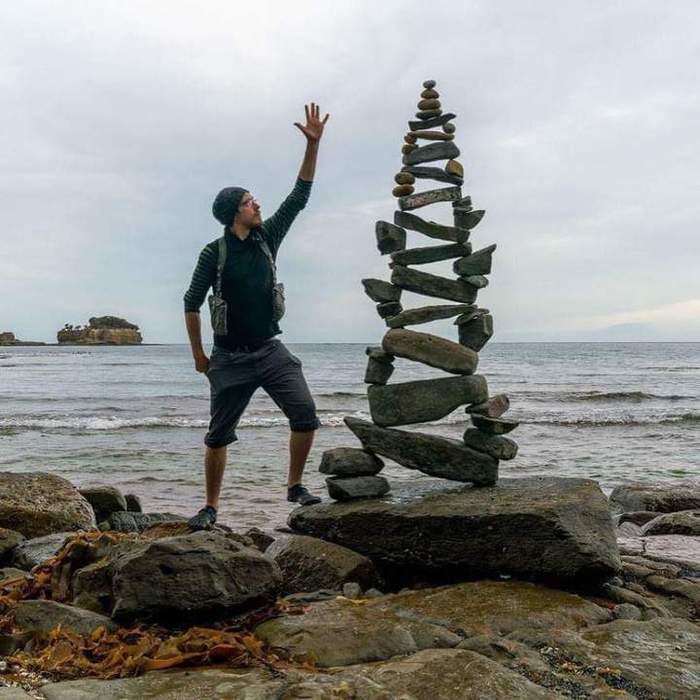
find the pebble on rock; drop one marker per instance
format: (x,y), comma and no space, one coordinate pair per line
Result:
(449,128)
(478,281)
(404,178)
(350,461)
(428,113)
(476,332)
(430,94)
(390,237)
(496,446)
(430,103)
(429,84)
(410,138)
(493,426)
(478,263)
(408,148)
(378,372)
(495,407)
(454,167)
(389,308)
(350,488)
(432,122)
(467,218)
(380,291)
(402,190)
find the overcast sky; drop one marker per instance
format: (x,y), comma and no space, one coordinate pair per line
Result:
(577,122)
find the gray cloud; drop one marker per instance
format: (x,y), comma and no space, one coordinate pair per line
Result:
(577,123)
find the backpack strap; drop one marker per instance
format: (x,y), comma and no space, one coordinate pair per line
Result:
(220,265)
(268,254)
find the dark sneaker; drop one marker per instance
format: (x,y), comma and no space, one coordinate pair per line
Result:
(299,494)
(204,519)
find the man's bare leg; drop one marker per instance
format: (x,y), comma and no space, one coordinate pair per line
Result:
(214,466)
(299,448)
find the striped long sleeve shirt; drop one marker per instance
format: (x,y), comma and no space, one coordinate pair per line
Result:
(246,281)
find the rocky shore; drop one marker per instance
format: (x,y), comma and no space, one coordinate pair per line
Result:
(531,588)
(8,339)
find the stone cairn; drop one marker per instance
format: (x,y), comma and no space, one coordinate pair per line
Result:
(354,472)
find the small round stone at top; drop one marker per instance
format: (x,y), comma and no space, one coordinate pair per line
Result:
(429,84)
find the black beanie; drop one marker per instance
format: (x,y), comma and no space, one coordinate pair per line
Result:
(226,204)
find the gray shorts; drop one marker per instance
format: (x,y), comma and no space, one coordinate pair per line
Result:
(234,377)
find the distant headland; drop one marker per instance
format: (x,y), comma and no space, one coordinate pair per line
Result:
(102,330)
(7,338)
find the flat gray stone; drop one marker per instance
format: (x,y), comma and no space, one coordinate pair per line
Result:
(466,217)
(432,285)
(430,228)
(432,173)
(33,552)
(476,332)
(496,446)
(429,454)
(435,151)
(429,254)
(661,498)
(350,461)
(430,123)
(308,564)
(390,237)
(343,488)
(478,281)
(465,203)
(478,263)
(539,528)
(494,407)
(45,615)
(493,426)
(684,522)
(375,352)
(381,291)
(425,314)
(431,350)
(378,372)
(104,500)
(422,199)
(423,400)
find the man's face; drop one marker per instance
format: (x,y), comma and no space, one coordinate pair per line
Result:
(249,211)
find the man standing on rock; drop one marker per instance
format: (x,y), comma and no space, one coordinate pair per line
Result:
(246,304)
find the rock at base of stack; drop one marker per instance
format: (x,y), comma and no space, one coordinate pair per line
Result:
(353,473)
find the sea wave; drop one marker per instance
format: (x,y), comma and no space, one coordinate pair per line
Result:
(586,421)
(623,396)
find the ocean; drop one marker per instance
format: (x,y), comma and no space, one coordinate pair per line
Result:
(135,417)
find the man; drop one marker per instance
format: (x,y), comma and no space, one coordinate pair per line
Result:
(247,355)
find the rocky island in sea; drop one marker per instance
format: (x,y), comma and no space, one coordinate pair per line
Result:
(8,339)
(102,330)
(459,584)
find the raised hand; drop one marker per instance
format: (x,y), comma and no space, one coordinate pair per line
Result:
(313,129)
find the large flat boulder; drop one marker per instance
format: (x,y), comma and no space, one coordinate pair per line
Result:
(683,522)
(39,504)
(45,615)
(537,528)
(431,454)
(189,576)
(659,498)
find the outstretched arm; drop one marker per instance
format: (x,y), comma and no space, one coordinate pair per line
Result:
(313,130)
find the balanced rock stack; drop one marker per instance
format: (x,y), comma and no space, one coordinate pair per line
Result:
(354,473)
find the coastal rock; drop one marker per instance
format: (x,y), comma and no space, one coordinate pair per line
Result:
(454,167)
(476,332)
(38,504)
(684,522)
(337,633)
(104,500)
(105,330)
(433,151)
(425,314)
(638,517)
(390,237)
(467,218)
(432,173)
(343,488)
(493,426)
(424,399)
(133,503)
(176,578)
(8,572)
(431,350)
(429,254)
(124,521)
(627,611)
(381,291)
(430,228)
(478,263)
(422,199)
(45,615)
(261,540)
(431,122)
(37,550)
(9,539)
(308,564)
(378,372)
(660,498)
(432,135)
(497,446)
(439,530)
(494,407)
(389,308)
(433,286)
(350,461)
(430,454)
